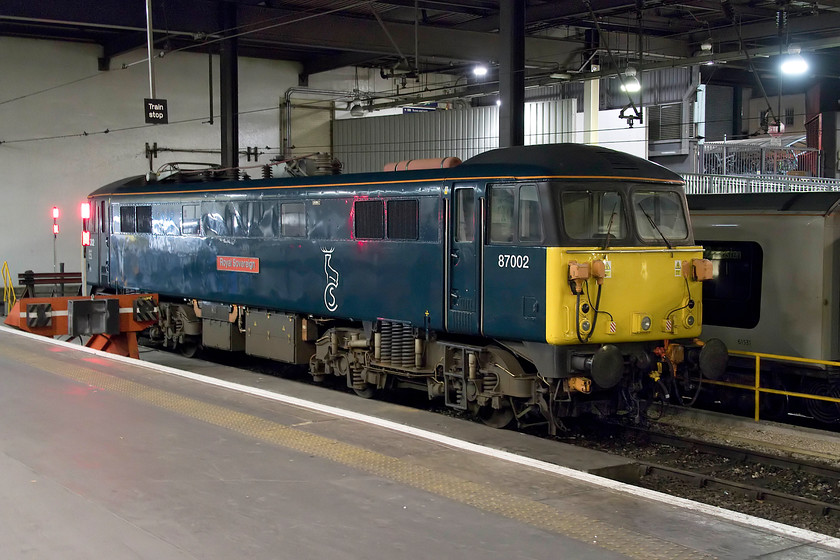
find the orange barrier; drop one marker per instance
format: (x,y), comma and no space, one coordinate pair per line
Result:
(112,321)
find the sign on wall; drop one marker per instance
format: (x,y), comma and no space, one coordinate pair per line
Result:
(156,111)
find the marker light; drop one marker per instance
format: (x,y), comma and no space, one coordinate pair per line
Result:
(55,229)
(86,239)
(55,212)
(85,210)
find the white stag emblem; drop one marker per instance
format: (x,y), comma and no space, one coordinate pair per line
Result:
(332,281)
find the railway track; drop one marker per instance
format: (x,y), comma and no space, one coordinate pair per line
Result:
(749,480)
(786,489)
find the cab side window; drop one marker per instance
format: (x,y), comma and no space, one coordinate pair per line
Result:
(530,218)
(502,221)
(515,214)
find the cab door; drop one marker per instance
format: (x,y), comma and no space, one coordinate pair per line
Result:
(463,259)
(99,272)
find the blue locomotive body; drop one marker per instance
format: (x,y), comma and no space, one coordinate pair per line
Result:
(471,282)
(236,252)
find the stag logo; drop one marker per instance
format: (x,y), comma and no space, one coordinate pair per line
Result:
(332,281)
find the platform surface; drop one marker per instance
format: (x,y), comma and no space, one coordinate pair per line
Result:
(106,459)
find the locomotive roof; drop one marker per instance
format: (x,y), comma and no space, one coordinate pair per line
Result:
(822,202)
(571,161)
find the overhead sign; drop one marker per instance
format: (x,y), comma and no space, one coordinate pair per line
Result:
(156,112)
(425,108)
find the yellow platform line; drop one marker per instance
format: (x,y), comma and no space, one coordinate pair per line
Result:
(537,514)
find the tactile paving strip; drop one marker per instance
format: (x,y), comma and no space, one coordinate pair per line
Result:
(585,529)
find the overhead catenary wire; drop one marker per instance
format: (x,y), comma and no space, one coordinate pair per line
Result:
(215,39)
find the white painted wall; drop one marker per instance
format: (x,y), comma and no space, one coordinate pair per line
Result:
(38,174)
(614,133)
(795,102)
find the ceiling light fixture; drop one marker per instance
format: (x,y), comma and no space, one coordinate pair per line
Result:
(631,83)
(794,64)
(480,71)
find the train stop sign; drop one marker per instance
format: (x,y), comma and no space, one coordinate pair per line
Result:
(156,111)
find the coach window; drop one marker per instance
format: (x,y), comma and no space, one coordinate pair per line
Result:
(234,219)
(127,219)
(293,219)
(266,223)
(530,218)
(94,219)
(465,214)
(189,219)
(144,219)
(369,221)
(732,298)
(213,219)
(403,219)
(502,226)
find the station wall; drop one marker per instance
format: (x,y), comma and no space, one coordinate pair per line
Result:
(67,128)
(54,150)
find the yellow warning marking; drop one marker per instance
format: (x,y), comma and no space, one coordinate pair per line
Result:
(579,527)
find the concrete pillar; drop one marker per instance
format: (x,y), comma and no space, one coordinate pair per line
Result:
(591,106)
(229,90)
(512,73)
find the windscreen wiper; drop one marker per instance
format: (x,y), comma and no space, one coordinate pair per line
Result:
(609,227)
(656,227)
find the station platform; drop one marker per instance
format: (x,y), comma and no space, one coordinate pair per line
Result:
(105,457)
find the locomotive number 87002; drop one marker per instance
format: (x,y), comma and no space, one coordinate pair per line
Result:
(529,283)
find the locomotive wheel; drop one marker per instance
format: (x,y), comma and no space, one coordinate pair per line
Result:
(496,417)
(366,393)
(824,411)
(190,348)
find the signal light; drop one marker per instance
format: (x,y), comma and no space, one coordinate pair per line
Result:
(55,212)
(85,210)
(86,239)
(55,229)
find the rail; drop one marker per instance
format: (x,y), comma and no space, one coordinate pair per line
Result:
(758,389)
(9,297)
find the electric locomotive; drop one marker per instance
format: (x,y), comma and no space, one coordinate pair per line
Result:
(527,282)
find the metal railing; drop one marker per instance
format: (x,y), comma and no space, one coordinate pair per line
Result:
(9,297)
(696,183)
(758,389)
(721,158)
